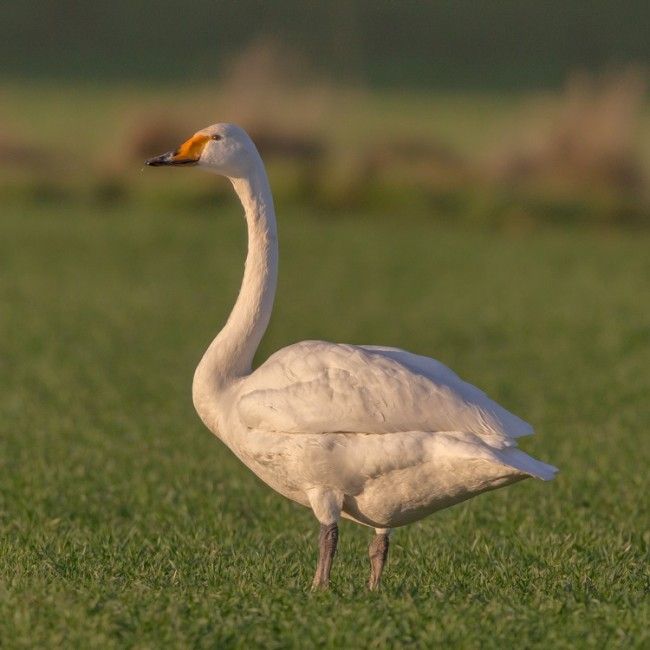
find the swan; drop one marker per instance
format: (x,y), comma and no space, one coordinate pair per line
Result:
(374,434)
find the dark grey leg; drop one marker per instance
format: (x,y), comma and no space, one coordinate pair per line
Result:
(378,552)
(328,538)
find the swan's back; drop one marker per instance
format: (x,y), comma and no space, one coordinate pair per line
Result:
(321,387)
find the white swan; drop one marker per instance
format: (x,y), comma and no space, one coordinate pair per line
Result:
(378,435)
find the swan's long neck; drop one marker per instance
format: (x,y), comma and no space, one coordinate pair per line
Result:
(231,353)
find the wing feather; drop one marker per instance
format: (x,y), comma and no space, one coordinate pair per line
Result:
(320,387)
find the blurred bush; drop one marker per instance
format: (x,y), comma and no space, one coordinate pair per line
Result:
(590,139)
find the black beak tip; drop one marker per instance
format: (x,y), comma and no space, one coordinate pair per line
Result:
(169,159)
(158,161)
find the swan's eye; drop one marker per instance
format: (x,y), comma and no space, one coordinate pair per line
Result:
(215,137)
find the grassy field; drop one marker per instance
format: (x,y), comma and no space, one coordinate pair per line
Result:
(124,523)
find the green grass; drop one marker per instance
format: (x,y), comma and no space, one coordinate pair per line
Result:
(123,523)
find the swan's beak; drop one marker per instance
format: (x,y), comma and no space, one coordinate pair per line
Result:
(187,154)
(169,158)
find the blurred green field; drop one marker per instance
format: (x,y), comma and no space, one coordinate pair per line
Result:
(124,523)
(443,44)
(91,118)
(577,156)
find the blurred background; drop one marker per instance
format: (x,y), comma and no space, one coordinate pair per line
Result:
(511,113)
(466,180)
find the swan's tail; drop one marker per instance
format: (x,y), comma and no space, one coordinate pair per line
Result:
(527,464)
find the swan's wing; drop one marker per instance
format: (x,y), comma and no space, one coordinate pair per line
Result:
(507,424)
(319,387)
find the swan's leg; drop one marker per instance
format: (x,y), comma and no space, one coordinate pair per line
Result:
(378,552)
(327,540)
(326,505)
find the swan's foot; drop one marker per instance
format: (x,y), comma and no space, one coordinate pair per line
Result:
(378,552)
(328,538)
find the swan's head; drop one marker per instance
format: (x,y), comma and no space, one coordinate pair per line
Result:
(224,149)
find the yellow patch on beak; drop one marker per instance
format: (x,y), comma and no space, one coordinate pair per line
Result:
(190,150)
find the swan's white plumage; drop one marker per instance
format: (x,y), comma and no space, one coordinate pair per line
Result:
(320,387)
(377,434)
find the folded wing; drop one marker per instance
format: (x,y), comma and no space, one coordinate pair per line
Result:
(319,387)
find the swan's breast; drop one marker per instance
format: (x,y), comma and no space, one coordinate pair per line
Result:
(388,479)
